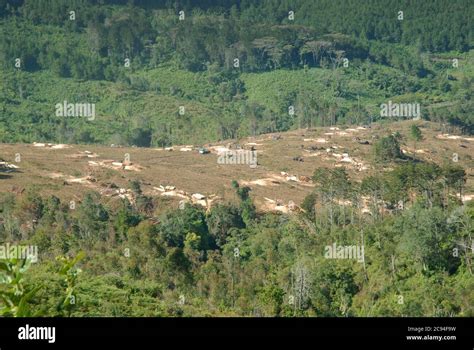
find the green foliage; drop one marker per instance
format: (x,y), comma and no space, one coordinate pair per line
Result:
(15,296)
(233,260)
(70,274)
(220,220)
(271,265)
(246,205)
(387,149)
(176,225)
(415,133)
(282,63)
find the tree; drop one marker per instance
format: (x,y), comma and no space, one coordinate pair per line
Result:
(416,135)
(271,296)
(176,225)
(140,137)
(387,149)
(455,177)
(92,217)
(333,185)
(426,239)
(220,220)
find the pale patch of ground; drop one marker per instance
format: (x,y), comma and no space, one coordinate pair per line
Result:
(453,137)
(85,180)
(51,145)
(279,206)
(116,165)
(316,140)
(260,182)
(467,197)
(276,180)
(194,198)
(85,154)
(219,149)
(353,162)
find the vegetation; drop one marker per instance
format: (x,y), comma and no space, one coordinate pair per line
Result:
(232,261)
(226,70)
(140,63)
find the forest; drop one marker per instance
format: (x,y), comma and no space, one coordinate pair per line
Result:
(139,63)
(136,260)
(168,73)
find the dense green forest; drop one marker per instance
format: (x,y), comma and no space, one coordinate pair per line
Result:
(233,261)
(227,69)
(179,72)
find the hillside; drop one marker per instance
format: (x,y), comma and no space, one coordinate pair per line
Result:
(156,80)
(67,171)
(247,158)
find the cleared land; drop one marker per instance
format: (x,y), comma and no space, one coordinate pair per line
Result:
(286,162)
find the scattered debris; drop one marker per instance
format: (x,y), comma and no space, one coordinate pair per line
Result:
(80,180)
(60,146)
(355,163)
(261,182)
(73,180)
(279,206)
(86,154)
(411,150)
(304,178)
(51,145)
(453,137)
(320,140)
(219,149)
(115,165)
(198,196)
(180,194)
(8,167)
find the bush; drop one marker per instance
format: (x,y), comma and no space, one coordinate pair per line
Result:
(388,149)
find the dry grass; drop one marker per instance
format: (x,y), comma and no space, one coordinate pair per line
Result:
(68,172)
